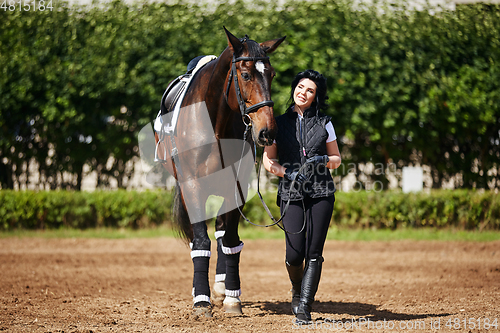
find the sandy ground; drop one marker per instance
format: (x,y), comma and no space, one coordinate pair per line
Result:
(144,285)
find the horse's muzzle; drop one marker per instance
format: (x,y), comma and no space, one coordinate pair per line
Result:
(265,137)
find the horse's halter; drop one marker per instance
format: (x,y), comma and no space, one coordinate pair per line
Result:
(234,76)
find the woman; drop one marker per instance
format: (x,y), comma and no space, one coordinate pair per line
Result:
(304,151)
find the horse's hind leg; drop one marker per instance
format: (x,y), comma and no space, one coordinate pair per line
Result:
(200,254)
(231,247)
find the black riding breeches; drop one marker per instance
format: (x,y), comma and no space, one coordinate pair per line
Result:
(305,239)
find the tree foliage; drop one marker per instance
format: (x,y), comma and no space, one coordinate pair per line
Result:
(405,86)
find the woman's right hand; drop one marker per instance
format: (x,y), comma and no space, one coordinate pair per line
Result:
(294,175)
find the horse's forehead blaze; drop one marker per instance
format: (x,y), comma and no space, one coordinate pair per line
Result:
(260,67)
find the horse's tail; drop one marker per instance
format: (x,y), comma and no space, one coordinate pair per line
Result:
(180,216)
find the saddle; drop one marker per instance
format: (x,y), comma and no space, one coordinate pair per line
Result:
(166,120)
(177,86)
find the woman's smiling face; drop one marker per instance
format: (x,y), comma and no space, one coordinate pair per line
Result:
(304,94)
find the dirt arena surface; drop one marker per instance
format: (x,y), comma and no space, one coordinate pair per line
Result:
(144,285)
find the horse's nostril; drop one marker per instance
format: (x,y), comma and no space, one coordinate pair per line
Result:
(266,137)
(264,134)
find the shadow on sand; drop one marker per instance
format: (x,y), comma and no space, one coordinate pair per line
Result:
(349,311)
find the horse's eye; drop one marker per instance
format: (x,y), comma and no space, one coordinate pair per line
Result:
(245,76)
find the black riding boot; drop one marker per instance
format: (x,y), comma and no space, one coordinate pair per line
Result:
(295,273)
(310,283)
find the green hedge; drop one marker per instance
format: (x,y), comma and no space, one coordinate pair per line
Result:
(55,209)
(461,209)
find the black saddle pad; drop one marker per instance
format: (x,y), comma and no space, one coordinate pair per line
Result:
(177,86)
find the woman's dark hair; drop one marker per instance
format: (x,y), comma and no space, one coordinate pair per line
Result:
(320,81)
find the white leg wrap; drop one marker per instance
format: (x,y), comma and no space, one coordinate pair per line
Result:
(233,293)
(232,250)
(200,253)
(201,298)
(219,234)
(220,277)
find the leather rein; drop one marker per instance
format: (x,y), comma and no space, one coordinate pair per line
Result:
(268,211)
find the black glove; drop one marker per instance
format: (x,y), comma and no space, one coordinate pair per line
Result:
(318,160)
(294,175)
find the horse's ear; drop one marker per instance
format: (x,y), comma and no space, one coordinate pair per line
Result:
(234,43)
(272,45)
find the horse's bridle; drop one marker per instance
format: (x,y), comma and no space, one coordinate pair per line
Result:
(233,76)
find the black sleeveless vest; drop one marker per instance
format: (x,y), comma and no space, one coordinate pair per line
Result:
(297,140)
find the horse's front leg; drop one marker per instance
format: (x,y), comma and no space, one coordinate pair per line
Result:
(200,254)
(231,248)
(219,290)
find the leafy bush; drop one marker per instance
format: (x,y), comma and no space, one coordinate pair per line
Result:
(462,209)
(459,209)
(55,209)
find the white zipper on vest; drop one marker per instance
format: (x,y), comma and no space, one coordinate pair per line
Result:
(302,136)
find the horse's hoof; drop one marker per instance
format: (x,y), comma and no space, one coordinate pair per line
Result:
(202,311)
(232,305)
(219,292)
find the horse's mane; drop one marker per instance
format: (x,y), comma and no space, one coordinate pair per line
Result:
(254,48)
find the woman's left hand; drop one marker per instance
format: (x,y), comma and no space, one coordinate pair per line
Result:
(318,160)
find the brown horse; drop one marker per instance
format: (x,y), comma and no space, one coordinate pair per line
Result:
(209,154)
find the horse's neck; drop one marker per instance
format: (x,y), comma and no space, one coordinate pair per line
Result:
(219,74)
(219,111)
